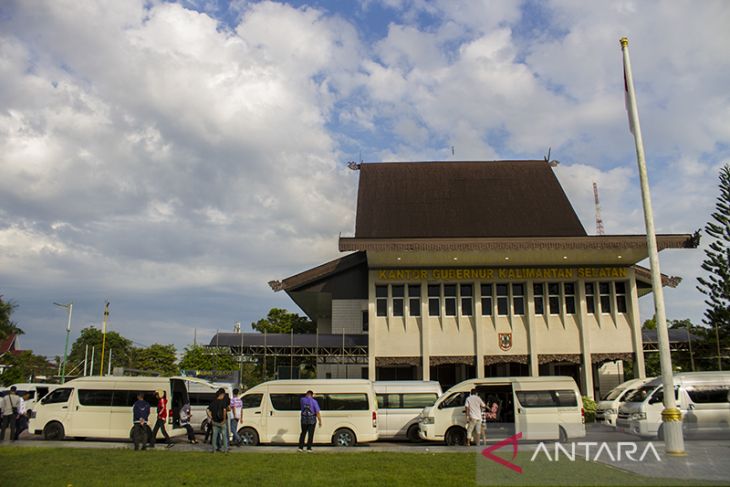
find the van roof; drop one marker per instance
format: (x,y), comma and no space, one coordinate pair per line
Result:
(120,378)
(314,382)
(694,376)
(519,379)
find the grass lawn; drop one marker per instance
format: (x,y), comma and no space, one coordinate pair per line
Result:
(81,467)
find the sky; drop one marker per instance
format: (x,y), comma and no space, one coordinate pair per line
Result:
(172,158)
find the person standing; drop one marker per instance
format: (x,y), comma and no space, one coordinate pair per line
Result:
(236,406)
(10,404)
(141,433)
(217,414)
(21,424)
(185,416)
(310,416)
(473,410)
(161,397)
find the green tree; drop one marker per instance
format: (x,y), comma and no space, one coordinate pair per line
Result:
(282,321)
(7,325)
(207,358)
(121,348)
(156,358)
(25,367)
(716,286)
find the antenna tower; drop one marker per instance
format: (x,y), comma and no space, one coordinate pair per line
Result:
(599,221)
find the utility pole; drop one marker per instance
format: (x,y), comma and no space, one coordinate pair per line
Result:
(103,338)
(69,308)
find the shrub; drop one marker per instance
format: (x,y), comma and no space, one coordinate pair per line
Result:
(589,406)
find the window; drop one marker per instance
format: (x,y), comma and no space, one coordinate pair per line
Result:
(251,401)
(554,298)
(381,400)
(57,396)
(518,299)
(539,290)
(397,292)
(365,322)
(418,400)
(434,299)
(199,398)
(285,402)
(128,398)
(591,297)
(327,402)
(604,289)
(467,298)
(414,299)
(711,393)
(569,292)
(547,399)
(456,400)
(388,401)
(381,300)
(344,402)
(95,397)
(486,300)
(621,296)
(450,299)
(502,300)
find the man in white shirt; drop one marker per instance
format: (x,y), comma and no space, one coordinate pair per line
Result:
(10,405)
(473,411)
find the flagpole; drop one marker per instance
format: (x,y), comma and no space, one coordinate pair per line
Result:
(671,416)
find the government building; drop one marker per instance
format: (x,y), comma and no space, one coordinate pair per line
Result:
(459,270)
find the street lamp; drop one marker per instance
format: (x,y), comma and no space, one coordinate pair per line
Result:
(69,307)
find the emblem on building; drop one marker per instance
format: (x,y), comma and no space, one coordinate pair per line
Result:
(505,341)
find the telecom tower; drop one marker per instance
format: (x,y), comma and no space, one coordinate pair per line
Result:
(599,222)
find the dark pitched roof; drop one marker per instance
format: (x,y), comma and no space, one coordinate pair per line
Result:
(287,340)
(463,199)
(325,270)
(8,344)
(676,335)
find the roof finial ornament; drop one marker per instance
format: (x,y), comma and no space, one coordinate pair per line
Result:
(353,165)
(552,163)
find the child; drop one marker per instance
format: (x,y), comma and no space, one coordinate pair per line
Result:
(488,414)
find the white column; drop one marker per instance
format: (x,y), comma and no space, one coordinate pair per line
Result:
(635,323)
(585,340)
(478,329)
(373,320)
(425,333)
(532,331)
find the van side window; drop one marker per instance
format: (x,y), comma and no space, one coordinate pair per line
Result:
(704,394)
(95,397)
(57,396)
(285,402)
(345,402)
(547,399)
(201,398)
(127,398)
(419,400)
(381,401)
(251,400)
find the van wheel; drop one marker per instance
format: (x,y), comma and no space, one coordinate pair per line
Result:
(203,425)
(249,437)
(344,437)
(412,434)
(53,431)
(562,435)
(456,436)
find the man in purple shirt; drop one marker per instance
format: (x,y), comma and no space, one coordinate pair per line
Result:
(310,417)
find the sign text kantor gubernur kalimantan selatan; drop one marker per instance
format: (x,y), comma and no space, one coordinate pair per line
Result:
(502,273)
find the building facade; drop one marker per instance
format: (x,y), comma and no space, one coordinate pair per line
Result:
(478,269)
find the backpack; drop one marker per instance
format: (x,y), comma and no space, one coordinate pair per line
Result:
(308,416)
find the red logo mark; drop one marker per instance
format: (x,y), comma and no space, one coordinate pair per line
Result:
(487,452)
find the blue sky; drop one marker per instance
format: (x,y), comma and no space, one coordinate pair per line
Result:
(172,158)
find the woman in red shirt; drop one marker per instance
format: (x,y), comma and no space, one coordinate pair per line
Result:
(161,397)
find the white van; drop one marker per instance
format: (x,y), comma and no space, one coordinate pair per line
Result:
(702,397)
(607,408)
(271,412)
(101,407)
(201,394)
(400,404)
(541,408)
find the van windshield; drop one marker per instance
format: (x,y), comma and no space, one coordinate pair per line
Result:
(613,395)
(640,394)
